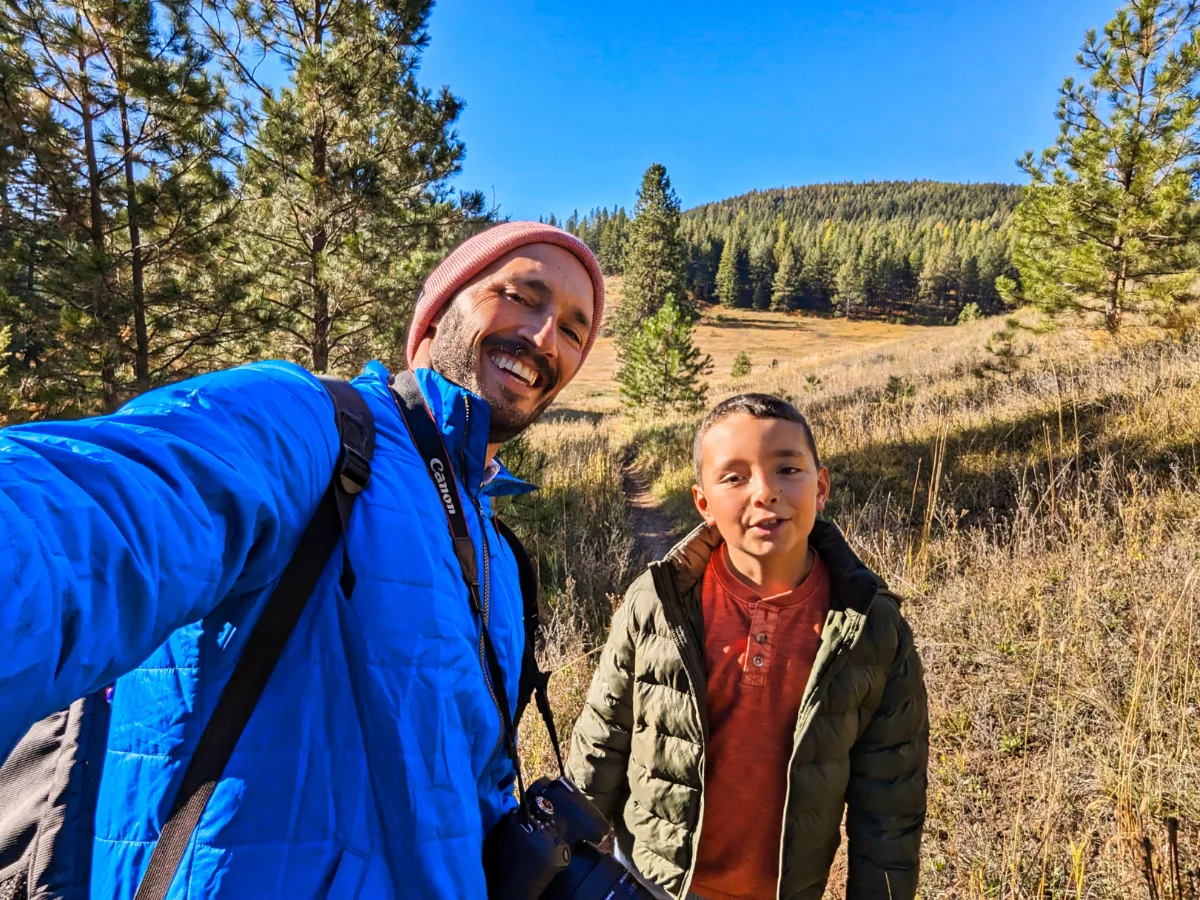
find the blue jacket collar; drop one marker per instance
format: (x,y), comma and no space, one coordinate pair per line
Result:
(464,419)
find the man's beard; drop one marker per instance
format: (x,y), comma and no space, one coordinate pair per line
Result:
(455,357)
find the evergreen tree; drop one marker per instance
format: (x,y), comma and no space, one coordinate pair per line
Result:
(741,365)
(851,287)
(762,272)
(660,367)
(1110,217)
(729,287)
(939,278)
(345,169)
(125,199)
(614,239)
(702,268)
(787,286)
(817,277)
(655,259)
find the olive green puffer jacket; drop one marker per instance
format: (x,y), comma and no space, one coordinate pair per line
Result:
(860,746)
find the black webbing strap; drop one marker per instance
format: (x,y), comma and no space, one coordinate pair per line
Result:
(533,679)
(265,644)
(428,440)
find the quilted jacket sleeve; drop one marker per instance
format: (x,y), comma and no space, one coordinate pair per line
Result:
(600,743)
(120,529)
(886,796)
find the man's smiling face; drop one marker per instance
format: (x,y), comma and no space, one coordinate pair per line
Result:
(515,334)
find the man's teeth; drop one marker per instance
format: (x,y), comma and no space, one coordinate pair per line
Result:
(522,371)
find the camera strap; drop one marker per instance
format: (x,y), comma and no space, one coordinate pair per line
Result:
(438,465)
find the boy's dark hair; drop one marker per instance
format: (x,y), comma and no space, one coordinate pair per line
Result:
(760,406)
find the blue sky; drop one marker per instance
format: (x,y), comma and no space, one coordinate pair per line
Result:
(568,103)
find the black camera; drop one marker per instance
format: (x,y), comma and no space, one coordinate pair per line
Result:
(546,849)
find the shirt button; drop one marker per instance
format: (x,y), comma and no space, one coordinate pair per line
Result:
(761,637)
(758,661)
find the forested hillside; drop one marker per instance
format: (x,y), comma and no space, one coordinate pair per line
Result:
(915,249)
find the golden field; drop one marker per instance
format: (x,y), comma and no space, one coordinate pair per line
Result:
(1044,530)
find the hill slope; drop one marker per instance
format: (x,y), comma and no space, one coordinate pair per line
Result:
(862,203)
(920,249)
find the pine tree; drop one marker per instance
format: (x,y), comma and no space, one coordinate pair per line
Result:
(939,278)
(126,196)
(817,276)
(702,268)
(787,287)
(729,286)
(741,365)
(762,272)
(1109,220)
(660,367)
(655,259)
(345,169)
(614,240)
(851,287)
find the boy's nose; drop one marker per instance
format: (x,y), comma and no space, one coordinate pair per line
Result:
(765,493)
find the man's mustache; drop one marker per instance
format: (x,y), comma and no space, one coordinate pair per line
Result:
(519,349)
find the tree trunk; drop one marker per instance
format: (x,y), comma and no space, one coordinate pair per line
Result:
(321,319)
(141,358)
(1112,305)
(108,368)
(320,239)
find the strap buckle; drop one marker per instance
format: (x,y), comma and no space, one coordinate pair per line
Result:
(354,471)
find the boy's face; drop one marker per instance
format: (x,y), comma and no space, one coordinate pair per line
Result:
(760,485)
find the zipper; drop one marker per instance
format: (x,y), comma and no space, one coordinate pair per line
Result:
(485,598)
(665,587)
(833,665)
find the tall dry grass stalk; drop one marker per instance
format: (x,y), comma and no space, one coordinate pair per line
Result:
(1045,533)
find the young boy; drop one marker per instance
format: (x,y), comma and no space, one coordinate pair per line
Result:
(757,683)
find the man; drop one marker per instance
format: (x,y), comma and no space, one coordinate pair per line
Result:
(141,547)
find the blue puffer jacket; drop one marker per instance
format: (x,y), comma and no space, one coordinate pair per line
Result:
(141,547)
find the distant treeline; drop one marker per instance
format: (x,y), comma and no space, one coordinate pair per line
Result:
(917,249)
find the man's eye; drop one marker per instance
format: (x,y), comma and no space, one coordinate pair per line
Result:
(513,295)
(573,336)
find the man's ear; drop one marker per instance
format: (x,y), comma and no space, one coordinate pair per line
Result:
(701,502)
(822,488)
(421,356)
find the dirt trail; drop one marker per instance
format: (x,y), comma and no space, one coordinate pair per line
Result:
(652,528)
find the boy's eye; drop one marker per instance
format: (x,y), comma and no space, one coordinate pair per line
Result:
(730,478)
(790,470)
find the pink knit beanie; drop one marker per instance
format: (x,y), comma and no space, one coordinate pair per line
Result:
(475,254)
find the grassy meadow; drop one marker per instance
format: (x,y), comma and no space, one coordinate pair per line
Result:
(1044,530)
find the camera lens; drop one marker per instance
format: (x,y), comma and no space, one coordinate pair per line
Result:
(593,875)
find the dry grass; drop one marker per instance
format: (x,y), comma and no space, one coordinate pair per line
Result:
(1045,532)
(782,338)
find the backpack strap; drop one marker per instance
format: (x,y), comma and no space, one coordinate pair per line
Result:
(533,680)
(264,646)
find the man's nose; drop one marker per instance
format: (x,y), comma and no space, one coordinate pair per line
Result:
(541,330)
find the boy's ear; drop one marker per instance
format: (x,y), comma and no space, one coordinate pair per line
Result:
(701,504)
(822,488)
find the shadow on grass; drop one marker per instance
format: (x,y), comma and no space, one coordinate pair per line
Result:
(565,415)
(987,471)
(750,325)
